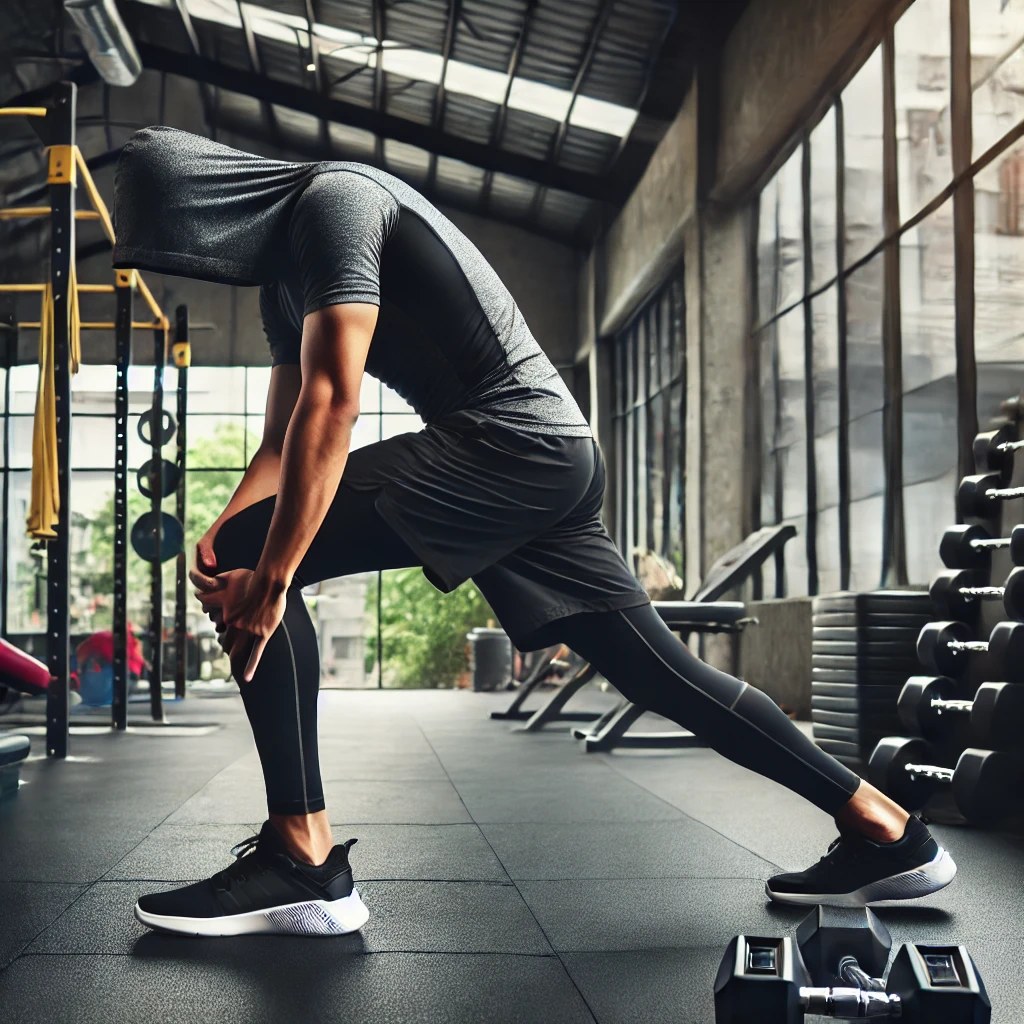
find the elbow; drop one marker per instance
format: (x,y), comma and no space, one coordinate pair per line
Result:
(338,405)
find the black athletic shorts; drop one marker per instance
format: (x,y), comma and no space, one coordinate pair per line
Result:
(517,512)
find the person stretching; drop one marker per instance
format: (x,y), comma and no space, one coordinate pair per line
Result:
(503,485)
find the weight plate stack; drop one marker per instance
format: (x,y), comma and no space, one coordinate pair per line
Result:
(862,652)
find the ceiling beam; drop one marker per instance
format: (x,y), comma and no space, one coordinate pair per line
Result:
(319,78)
(193,40)
(379,28)
(256,66)
(498,129)
(299,98)
(555,151)
(441,96)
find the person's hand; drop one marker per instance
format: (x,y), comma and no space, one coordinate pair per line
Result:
(246,612)
(206,560)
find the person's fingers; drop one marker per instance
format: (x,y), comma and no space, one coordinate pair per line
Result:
(254,657)
(205,556)
(204,582)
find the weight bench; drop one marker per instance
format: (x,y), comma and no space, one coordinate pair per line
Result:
(515,711)
(13,750)
(704,613)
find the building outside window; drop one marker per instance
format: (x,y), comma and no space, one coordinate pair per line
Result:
(889,287)
(648,418)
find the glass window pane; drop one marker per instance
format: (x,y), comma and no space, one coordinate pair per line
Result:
(216,442)
(795,580)
(92,442)
(140,452)
(253,435)
(823,200)
(769,424)
(257,384)
(345,617)
(792,383)
(92,389)
(675,469)
(793,464)
(791,231)
(392,401)
(366,431)
(866,543)
(92,551)
(3,389)
(20,441)
(656,434)
(394,424)
(929,507)
(864,338)
(997,31)
(826,467)
(678,326)
(640,358)
(24,381)
(216,389)
(829,577)
(3,439)
(922,81)
(665,338)
(767,251)
(26,577)
(642,456)
(653,348)
(867,461)
(825,325)
(369,394)
(862,121)
(998,278)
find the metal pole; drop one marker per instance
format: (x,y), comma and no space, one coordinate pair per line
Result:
(61,181)
(125,291)
(156,485)
(10,355)
(182,352)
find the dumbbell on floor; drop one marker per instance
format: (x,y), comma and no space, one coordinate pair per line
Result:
(994,449)
(971,547)
(957,593)
(763,980)
(984,781)
(979,495)
(928,705)
(941,646)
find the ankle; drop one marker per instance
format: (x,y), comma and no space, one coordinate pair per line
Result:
(307,837)
(872,814)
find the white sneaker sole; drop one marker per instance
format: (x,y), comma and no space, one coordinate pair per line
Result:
(315,917)
(886,892)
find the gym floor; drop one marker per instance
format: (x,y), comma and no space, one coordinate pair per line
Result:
(510,878)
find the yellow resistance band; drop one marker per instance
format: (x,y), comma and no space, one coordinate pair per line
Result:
(44,512)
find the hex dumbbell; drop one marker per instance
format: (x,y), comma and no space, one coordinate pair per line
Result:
(941,647)
(957,593)
(984,781)
(979,495)
(929,705)
(994,450)
(971,547)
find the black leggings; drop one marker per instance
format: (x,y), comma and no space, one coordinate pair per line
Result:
(633,649)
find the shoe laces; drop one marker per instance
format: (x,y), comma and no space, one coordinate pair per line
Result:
(839,847)
(245,854)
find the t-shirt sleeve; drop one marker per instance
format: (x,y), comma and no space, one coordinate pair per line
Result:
(284,338)
(338,230)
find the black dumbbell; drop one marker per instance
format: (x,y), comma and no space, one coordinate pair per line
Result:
(971,547)
(979,495)
(928,705)
(984,781)
(941,647)
(993,451)
(763,980)
(958,592)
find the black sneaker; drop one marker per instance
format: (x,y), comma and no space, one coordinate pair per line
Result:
(857,871)
(265,891)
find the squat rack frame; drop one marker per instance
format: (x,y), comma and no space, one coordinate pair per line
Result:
(65,165)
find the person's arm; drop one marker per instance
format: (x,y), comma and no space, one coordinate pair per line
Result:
(335,341)
(249,606)
(264,470)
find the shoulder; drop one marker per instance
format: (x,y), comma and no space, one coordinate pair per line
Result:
(345,191)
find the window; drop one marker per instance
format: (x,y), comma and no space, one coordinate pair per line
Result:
(869,268)
(648,418)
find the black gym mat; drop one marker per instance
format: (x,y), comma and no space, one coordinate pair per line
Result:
(896,602)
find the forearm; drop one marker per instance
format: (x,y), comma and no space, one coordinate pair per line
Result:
(315,452)
(260,481)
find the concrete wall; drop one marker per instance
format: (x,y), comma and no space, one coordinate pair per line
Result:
(775,652)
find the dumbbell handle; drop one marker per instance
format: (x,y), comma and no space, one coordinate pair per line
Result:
(940,705)
(853,974)
(1010,446)
(849,1003)
(967,645)
(1004,492)
(930,771)
(990,542)
(982,591)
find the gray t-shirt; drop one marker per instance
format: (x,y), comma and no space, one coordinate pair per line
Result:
(449,336)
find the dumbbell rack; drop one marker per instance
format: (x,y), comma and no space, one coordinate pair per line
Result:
(945,718)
